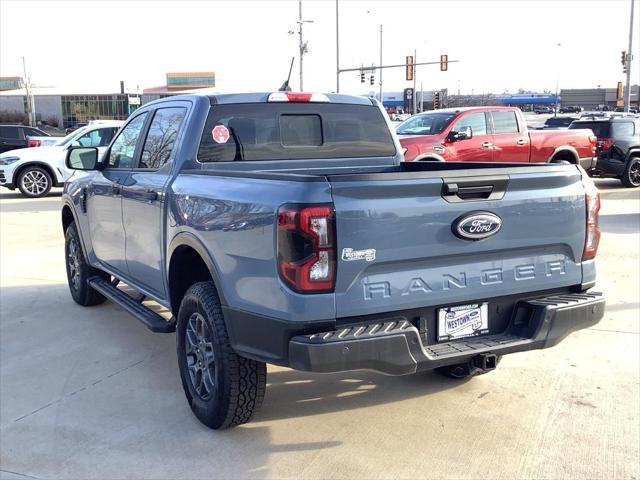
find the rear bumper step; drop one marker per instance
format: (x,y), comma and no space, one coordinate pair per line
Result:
(153,321)
(394,346)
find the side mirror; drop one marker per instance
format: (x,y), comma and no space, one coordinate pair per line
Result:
(464,134)
(82,158)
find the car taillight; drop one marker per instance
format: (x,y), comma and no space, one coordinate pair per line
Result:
(306,247)
(605,144)
(592,234)
(34,143)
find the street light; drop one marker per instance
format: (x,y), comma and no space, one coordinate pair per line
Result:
(555,110)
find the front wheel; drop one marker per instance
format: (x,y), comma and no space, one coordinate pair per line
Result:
(79,271)
(222,388)
(631,176)
(34,182)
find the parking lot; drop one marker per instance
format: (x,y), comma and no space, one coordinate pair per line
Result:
(91,393)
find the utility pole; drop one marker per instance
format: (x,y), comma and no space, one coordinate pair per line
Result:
(415,74)
(627,94)
(302,46)
(30,104)
(337,51)
(380,64)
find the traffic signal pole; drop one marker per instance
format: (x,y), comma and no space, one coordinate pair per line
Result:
(627,94)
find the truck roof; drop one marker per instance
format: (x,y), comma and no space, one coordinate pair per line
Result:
(261,97)
(468,109)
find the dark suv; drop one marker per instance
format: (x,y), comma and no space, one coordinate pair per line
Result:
(15,136)
(618,148)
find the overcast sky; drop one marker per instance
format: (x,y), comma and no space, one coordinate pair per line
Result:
(501,45)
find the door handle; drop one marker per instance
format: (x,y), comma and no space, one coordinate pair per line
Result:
(149,195)
(115,189)
(487,145)
(521,141)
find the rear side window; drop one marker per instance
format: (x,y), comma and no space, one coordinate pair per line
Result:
(32,132)
(504,122)
(284,131)
(623,129)
(9,132)
(599,129)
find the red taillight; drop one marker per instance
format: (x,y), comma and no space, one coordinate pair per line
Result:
(592,234)
(34,143)
(605,144)
(306,247)
(297,97)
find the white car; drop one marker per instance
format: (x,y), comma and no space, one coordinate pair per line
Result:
(35,170)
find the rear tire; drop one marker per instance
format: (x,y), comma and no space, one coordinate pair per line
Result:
(79,271)
(631,176)
(222,388)
(460,371)
(34,182)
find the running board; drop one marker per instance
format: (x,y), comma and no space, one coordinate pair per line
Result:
(148,317)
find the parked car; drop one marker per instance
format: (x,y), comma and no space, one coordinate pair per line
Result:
(490,134)
(15,136)
(542,109)
(35,170)
(570,109)
(283,228)
(558,123)
(618,148)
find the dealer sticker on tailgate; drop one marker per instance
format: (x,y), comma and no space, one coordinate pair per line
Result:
(463,321)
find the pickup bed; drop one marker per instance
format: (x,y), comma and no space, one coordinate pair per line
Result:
(491,134)
(283,228)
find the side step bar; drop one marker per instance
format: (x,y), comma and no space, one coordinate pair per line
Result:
(148,317)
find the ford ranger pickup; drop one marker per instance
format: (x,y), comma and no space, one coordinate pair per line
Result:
(491,134)
(284,228)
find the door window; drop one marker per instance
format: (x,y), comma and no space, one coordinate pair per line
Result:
(10,132)
(124,147)
(161,137)
(504,122)
(97,138)
(477,122)
(623,129)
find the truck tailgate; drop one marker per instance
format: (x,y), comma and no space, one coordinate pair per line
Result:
(397,248)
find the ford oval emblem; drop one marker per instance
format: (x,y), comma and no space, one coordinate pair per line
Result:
(477,225)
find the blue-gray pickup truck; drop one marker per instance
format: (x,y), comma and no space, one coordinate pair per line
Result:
(284,228)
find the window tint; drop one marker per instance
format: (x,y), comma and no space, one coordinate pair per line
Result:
(599,129)
(504,122)
(301,130)
(623,129)
(97,138)
(427,124)
(282,131)
(32,132)
(477,122)
(9,132)
(124,147)
(161,137)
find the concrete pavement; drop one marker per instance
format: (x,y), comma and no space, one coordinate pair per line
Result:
(91,393)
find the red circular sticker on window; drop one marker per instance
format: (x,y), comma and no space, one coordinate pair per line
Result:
(220,134)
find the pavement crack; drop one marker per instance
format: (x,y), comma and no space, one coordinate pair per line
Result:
(70,394)
(613,331)
(18,474)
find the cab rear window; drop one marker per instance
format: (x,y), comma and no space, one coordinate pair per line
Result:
(286,131)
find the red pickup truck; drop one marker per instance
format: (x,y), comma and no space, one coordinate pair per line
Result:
(490,134)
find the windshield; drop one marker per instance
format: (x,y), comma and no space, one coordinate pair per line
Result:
(599,129)
(427,124)
(69,138)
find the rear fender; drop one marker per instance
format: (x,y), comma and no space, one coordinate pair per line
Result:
(565,150)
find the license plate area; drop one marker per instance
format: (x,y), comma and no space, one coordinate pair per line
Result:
(463,321)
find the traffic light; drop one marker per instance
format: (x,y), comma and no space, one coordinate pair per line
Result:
(444,63)
(436,100)
(372,80)
(361,77)
(623,58)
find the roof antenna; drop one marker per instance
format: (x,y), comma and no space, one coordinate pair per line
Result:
(285,86)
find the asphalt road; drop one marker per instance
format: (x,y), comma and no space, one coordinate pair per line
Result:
(91,393)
